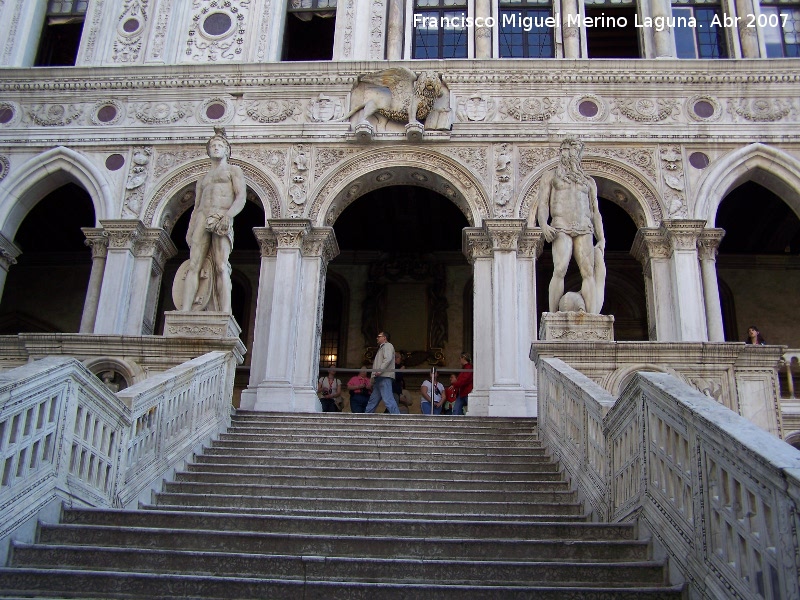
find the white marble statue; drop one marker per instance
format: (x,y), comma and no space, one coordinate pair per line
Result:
(570,220)
(220,196)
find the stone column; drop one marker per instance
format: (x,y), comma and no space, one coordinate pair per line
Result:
(651,249)
(319,248)
(152,251)
(395,30)
(748,36)
(570,33)
(8,256)
(506,396)
(274,384)
(477,248)
(483,35)
(687,288)
(662,40)
(708,245)
(97,240)
(118,282)
(528,251)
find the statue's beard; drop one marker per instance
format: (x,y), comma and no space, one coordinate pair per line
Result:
(571,170)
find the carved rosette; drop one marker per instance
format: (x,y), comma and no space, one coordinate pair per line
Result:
(123,234)
(289,233)
(162,113)
(267,241)
(648,244)
(475,244)
(504,234)
(531,243)
(271,111)
(8,253)
(708,243)
(760,110)
(528,110)
(646,110)
(96,240)
(53,115)
(683,234)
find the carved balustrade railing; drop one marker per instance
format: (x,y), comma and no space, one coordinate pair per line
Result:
(64,436)
(715,492)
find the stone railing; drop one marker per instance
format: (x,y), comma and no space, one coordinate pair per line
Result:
(717,494)
(64,437)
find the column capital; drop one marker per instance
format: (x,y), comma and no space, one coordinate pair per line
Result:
(266,241)
(96,240)
(155,243)
(475,244)
(289,233)
(8,253)
(531,243)
(649,243)
(504,234)
(123,234)
(683,233)
(321,242)
(708,243)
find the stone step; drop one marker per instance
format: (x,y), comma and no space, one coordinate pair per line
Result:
(377,420)
(419,440)
(552,475)
(346,491)
(384,461)
(446,526)
(367,507)
(387,432)
(54,583)
(335,568)
(366,480)
(338,545)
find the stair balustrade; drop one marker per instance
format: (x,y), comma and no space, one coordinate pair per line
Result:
(717,494)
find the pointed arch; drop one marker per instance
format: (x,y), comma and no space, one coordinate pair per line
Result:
(42,174)
(374,169)
(771,167)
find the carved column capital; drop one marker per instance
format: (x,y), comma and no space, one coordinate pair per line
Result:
(8,253)
(156,244)
(475,244)
(504,234)
(290,232)
(682,233)
(708,243)
(649,243)
(321,242)
(266,241)
(123,234)
(97,240)
(531,243)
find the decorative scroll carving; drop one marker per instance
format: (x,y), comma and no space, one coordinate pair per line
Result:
(130,31)
(162,113)
(761,110)
(273,159)
(476,244)
(708,243)
(474,158)
(646,110)
(327,157)
(641,158)
(53,115)
(532,158)
(267,241)
(161,28)
(531,109)
(96,240)
(271,111)
(264,31)
(165,161)
(376,29)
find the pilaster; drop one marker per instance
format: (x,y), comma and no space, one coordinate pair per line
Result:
(651,248)
(477,247)
(97,240)
(151,252)
(708,246)
(687,288)
(118,282)
(529,248)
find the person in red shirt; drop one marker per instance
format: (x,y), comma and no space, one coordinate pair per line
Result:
(450,395)
(360,388)
(463,384)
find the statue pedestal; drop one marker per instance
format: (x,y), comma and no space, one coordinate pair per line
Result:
(576,327)
(200,324)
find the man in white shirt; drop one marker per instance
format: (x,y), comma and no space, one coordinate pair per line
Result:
(382,375)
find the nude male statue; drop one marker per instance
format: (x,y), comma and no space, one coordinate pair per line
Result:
(220,195)
(568,198)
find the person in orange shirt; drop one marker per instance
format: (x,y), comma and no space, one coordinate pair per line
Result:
(450,395)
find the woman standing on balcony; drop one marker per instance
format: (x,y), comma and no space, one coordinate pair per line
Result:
(754,337)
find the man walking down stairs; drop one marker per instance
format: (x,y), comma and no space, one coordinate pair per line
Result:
(348,506)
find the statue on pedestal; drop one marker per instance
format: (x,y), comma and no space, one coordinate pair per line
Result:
(204,281)
(568,200)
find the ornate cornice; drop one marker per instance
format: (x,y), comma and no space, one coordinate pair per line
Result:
(475,244)
(289,233)
(504,234)
(682,234)
(708,243)
(123,234)
(97,240)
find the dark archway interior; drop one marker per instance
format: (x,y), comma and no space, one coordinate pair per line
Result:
(46,289)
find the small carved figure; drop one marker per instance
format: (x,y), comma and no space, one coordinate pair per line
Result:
(568,200)
(220,195)
(400,95)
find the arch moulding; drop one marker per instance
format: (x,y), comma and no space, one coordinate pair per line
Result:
(158,204)
(45,172)
(341,187)
(646,212)
(782,172)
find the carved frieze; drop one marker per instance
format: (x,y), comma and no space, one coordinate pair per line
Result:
(641,158)
(504,233)
(531,243)
(472,156)
(321,242)
(169,159)
(134,184)
(325,158)
(289,233)
(273,158)
(130,31)
(11,113)
(123,233)
(646,110)
(53,115)
(271,111)
(761,110)
(650,243)
(683,233)
(118,112)
(218,30)
(476,108)
(532,158)
(162,113)
(530,109)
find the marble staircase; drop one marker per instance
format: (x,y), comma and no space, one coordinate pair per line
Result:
(348,506)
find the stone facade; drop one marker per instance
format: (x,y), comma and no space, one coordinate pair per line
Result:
(666,140)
